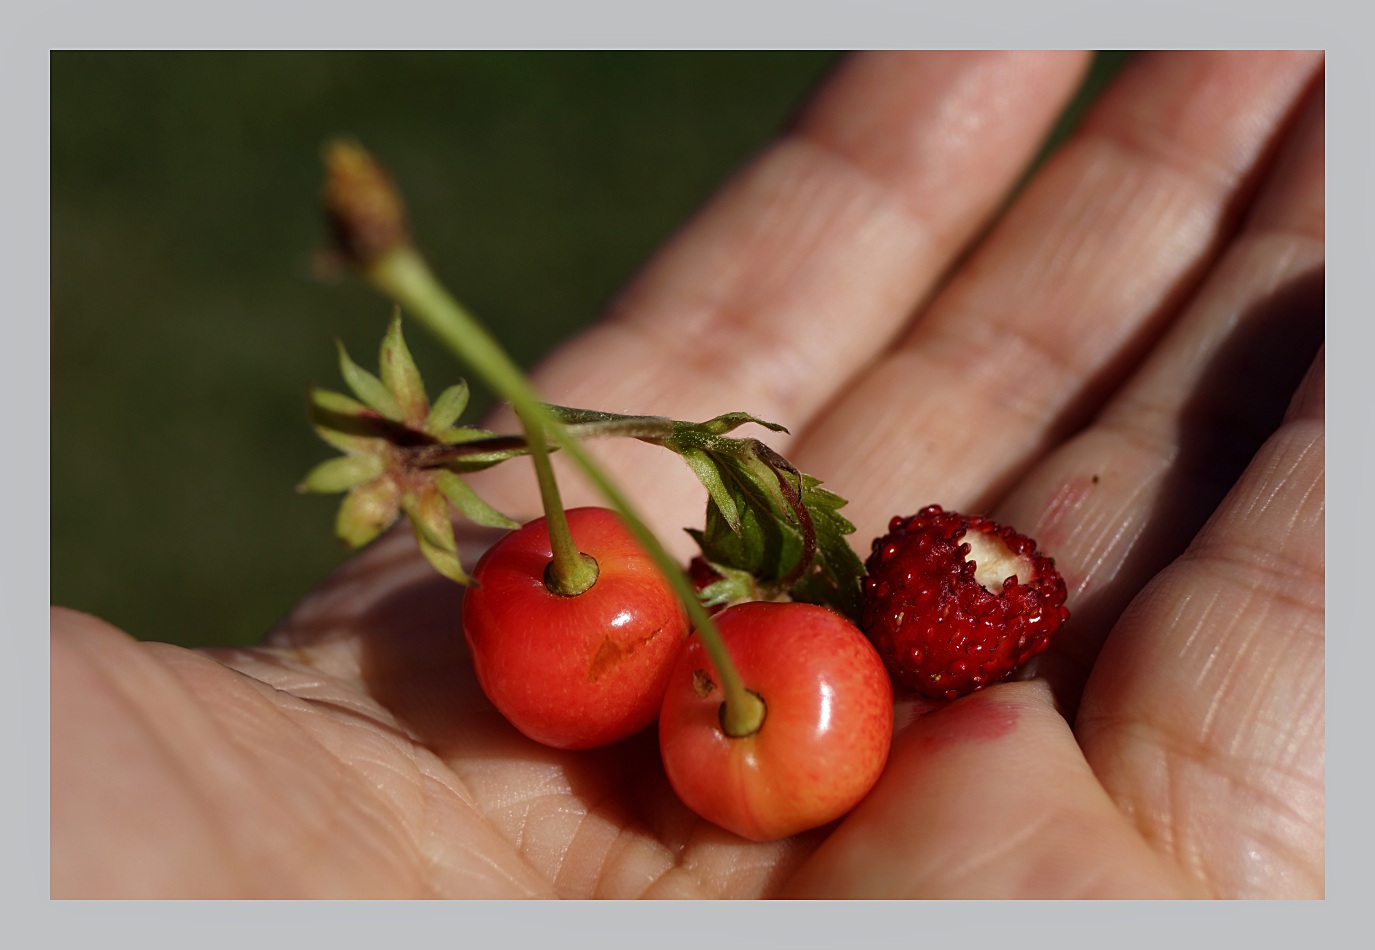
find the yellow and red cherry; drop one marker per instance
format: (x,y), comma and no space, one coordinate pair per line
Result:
(826,729)
(580,671)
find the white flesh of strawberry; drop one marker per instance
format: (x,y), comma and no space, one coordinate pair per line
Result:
(994,562)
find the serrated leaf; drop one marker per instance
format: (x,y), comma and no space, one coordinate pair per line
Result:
(428,514)
(446,410)
(834,579)
(400,375)
(469,504)
(342,473)
(367,387)
(367,511)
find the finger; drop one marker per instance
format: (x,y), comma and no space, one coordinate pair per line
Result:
(1076,281)
(988,797)
(812,258)
(991,795)
(1120,500)
(1204,715)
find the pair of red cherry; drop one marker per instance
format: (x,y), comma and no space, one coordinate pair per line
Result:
(777,722)
(575,672)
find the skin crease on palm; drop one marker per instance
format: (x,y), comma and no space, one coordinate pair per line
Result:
(1126,364)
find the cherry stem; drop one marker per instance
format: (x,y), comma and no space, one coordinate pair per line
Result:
(570,572)
(402,274)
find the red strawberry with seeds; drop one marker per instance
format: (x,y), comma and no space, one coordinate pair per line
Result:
(955,602)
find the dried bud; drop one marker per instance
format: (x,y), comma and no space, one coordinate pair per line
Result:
(365,213)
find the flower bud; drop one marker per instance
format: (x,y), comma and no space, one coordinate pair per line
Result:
(365,213)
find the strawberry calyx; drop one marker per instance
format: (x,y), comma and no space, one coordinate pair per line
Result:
(390,435)
(765,520)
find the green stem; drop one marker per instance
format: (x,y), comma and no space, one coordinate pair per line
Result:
(498,448)
(403,275)
(570,572)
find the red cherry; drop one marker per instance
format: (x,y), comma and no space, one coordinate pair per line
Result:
(573,672)
(827,726)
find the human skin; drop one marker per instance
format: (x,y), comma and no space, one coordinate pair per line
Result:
(1126,365)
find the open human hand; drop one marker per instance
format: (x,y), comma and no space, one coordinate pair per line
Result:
(1125,364)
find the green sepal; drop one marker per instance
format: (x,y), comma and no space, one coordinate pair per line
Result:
(709,475)
(764,542)
(446,410)
(734,586)
(398,455)
(344,422)
(503,447)
(764,517)
(367,511)
(342,473)
(730,421)
(401,377)
(428,513)
(367,387)
(469,504)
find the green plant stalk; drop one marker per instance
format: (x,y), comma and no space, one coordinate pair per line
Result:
(403,275)
(570,572)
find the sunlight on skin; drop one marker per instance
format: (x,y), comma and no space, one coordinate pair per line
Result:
(1170,744)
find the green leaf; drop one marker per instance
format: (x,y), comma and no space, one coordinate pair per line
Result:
(469,504)
(342,473)
(446,410)
(367,387)
(428,514)
(400,375)
(367,511)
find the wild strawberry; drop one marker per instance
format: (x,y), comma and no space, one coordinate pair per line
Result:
(955,602)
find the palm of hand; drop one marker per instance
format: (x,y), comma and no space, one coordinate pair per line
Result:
(1162,271)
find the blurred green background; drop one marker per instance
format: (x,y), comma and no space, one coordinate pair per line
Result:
(188,317)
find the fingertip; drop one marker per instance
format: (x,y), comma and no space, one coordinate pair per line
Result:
(1310,399)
